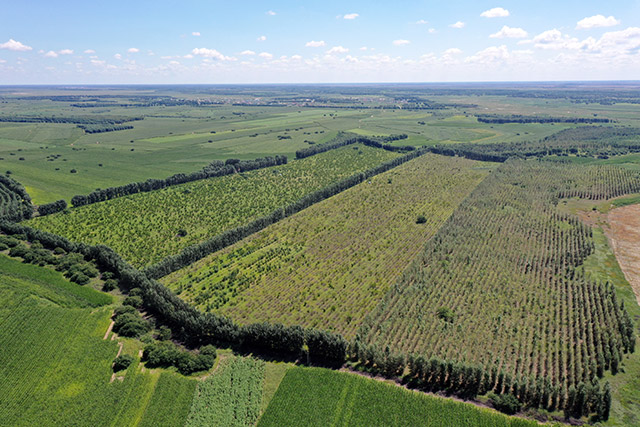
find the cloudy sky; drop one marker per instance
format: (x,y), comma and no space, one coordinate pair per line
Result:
(81,42)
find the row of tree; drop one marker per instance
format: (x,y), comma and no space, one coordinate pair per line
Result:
(214,169)
(103,128)
(592,141)
(517,118)
(15,203)
(78,120)
(53,207)
(198,251)
(348,138)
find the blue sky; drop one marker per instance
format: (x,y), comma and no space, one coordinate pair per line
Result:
(68,42)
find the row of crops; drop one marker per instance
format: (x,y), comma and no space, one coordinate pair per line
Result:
(499,286)
(232,396)
(329,265)
(145,228)
(313,396)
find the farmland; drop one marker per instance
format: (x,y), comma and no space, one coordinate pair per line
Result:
(144,228)
(53,356)
(315,396)
(459,300)
(232,396)
(323,265)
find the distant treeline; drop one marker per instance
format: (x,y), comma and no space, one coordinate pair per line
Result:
(517,118)
(344,138)
(15,203)
(216,168)
(78,120)
(588,141)
(103,128)
(198,251)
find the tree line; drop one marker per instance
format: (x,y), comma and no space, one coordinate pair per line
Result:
(586,141)
(517,118)
(103,128)
(15,203)
(214,169)
(346,138)
(78,120)
(198,251)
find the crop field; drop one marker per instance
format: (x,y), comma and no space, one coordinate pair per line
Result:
(144,228)
(231,396)
(52,356)
(499,284)
(316,396)
(330,264)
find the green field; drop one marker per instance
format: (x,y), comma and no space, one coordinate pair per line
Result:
(231,396)
(53,356)
(144,227)
(329,265)
(316,396)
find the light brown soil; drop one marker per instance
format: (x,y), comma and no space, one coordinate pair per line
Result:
(624,238)
(106,335)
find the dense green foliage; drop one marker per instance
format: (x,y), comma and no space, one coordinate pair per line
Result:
(343,139)
(170,402)
(518,118)
(144,227)
(316,396)
(166,354)
(231,396)
(15,203)
(319,262)
(506,265)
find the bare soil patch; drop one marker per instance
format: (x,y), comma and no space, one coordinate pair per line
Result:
(624,238)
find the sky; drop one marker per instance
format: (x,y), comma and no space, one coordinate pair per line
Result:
(214,42)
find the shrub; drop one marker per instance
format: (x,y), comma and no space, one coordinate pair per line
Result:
(130,324)
(133,301)
(109,285)
(421,219)
(506,403)
(122,362)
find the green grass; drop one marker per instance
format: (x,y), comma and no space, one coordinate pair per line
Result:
(143,227)
(316,396)
(55,367)
(274,372)
(329,265)
(171,401)
(231,396)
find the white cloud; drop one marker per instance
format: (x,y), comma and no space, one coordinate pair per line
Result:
(401,42)
(15,46)
(188,56)
(337,49)
(196,33)
(490,55)
(496,12)
(271,13)
(432,31)
(210,53)
(133,50)
(265,55)
(117,56)
(555,40)
(458,24)
(65,52)
(314,43)
(174,63)
(509,32)
(261,38)
(350,16)
(89,51)
(97,62)
(2,61)
(422,22)
(596,21)
(247,52)
(296,57)
(51,54)
(453,51)
(363,48)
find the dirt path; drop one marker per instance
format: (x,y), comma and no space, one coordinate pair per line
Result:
(106,335)
(624,237)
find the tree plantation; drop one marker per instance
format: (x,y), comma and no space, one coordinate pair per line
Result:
(407,255)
